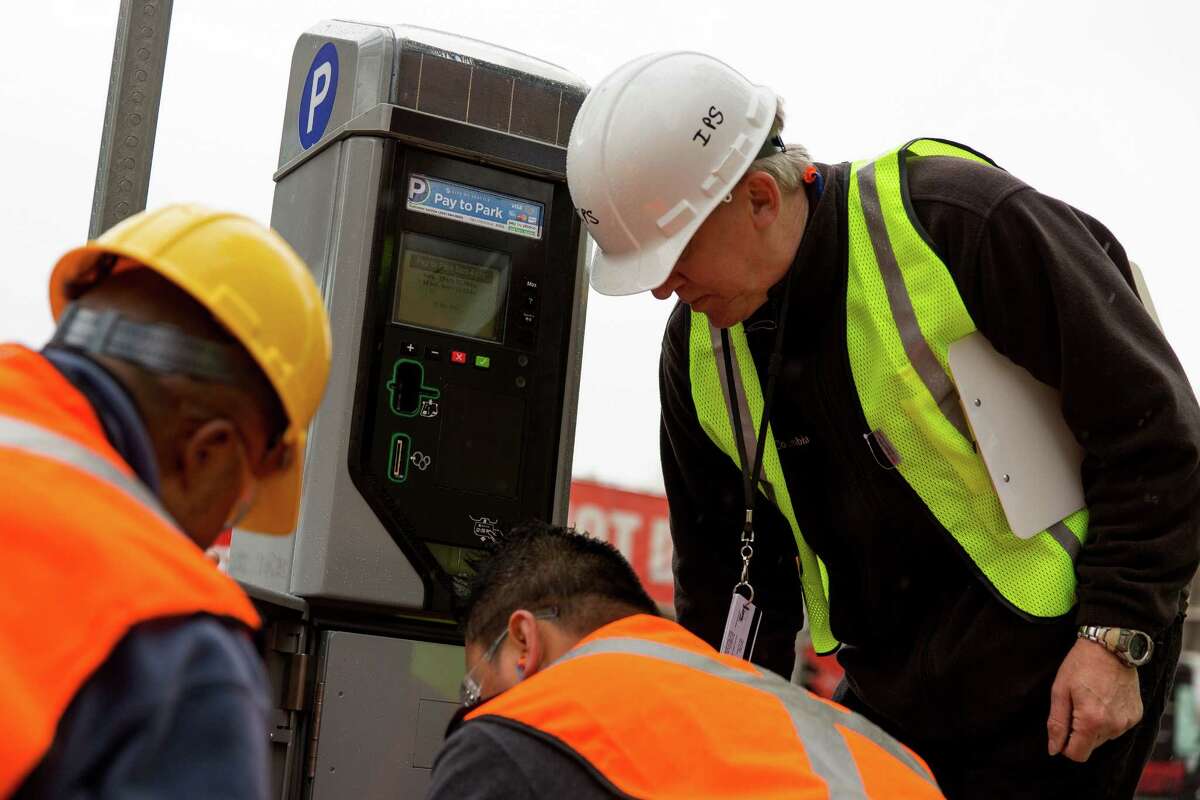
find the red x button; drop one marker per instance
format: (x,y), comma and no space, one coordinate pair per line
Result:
(458,357)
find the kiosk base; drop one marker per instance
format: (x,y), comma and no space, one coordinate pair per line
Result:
(355,714)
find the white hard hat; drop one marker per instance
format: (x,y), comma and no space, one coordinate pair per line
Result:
(655,148)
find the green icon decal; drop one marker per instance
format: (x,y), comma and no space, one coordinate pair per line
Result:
(398,457)
(408,394)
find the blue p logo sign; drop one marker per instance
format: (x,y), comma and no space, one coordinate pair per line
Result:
(318,94)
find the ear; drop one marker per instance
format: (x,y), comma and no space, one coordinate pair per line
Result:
(524,633)
(766,199)
(209,453)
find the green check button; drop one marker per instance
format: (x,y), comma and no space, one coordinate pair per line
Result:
(483,362)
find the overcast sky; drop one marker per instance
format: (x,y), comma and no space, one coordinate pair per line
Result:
(1097,103)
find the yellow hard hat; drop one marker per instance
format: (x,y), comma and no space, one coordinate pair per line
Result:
(255,285)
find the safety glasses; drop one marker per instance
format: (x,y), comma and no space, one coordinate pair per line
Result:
(472,688)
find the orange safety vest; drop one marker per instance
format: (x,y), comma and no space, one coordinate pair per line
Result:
(86,553)
(660,714)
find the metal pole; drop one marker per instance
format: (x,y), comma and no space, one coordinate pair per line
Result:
(134,89)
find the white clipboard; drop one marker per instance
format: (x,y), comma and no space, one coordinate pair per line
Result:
(1030,453)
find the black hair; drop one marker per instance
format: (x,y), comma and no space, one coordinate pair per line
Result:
(538,566)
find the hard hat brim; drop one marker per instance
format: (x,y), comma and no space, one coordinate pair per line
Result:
(277,507)
(639,271)
(75,263)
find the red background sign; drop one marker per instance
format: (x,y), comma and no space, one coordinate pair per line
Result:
(633,522)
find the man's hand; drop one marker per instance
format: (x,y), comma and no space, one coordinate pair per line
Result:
(1095,698)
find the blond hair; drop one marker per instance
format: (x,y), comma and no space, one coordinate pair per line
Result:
(787,167)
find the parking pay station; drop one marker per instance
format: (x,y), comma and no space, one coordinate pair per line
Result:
(422,176)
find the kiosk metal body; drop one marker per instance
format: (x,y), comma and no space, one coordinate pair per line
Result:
(423,178)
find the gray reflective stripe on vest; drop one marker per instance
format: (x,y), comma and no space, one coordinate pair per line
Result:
(17,434)
(945,394)
(739,411)
(813,719)
(1067,540)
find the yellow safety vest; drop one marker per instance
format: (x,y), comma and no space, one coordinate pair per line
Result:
(902,313)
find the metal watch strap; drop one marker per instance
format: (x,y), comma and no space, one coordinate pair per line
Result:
(1116,641)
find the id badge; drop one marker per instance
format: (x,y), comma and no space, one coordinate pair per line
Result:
(741,628)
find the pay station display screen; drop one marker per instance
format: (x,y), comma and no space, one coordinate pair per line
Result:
(452,287)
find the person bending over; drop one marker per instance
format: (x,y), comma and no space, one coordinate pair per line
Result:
(577,687)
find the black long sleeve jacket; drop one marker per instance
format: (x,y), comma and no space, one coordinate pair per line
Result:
(1051,288)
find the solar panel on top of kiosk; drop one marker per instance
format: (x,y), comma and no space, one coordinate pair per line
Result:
(457,87)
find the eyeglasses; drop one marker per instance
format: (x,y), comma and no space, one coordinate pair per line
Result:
(471,689)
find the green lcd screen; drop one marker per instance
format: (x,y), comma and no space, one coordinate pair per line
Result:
(452,287)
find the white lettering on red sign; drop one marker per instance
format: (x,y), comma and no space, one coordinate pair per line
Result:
(662,550)
(622,527)
(643,539)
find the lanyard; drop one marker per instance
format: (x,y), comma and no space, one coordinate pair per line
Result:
(752,476)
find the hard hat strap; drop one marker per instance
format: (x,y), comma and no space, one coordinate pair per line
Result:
(154,346)
(773,144)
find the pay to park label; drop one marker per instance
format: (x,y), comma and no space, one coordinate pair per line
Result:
(473,206)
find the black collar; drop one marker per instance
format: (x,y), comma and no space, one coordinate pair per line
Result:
(118,413)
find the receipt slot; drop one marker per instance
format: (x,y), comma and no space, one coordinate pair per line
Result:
(422,176)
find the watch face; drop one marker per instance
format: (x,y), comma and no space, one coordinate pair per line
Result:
(1137,647)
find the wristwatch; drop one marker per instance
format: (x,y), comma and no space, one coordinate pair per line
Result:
(1134,648)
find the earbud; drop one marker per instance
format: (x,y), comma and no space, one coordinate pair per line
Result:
(813,175)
